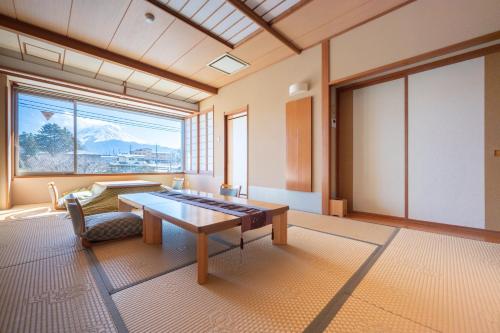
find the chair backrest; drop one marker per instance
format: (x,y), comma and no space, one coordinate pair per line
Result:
(229,190)
(178,183)
(76,212)
(54,195)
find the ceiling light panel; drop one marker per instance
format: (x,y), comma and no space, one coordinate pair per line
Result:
(280,9)
(177,4)
(192,8)
(244,33)
(207,10)
(224,20)
(270,9)
(228,64)
(219,15)
(228,22)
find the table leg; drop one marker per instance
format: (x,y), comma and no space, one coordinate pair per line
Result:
(123,207)
(151,229)
(202,257)
(280,229)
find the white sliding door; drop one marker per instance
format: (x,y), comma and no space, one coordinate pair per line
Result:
(446,144)
(379,149)
(237,149)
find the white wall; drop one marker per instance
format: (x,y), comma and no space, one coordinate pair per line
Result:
(446,144)
(379,149)
(266,94)
(419,27)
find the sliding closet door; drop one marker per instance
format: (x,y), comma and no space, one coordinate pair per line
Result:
(379,149)
(446,144)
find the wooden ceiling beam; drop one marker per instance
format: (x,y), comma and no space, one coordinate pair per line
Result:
(263,24)
(186,20)
(68,42)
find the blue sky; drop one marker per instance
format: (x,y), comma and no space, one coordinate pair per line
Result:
(148,129)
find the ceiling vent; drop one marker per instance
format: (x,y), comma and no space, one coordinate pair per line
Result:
(43,53)
(228,64)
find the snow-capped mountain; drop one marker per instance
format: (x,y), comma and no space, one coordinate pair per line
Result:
(99,133)
(111,139)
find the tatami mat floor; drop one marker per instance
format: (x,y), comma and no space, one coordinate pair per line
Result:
(336,274)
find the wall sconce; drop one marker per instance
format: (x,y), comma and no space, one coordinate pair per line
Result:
(298,88)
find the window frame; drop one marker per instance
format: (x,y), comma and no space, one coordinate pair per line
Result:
(15,140)
(198,169)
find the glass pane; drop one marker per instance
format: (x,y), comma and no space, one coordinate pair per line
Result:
(210,143)
(187,144)
(45,129)
(119,141)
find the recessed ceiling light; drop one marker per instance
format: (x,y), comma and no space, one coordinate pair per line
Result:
(228,64)
(149,17)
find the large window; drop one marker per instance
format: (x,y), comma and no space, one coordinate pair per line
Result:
(56,135)
(198,143)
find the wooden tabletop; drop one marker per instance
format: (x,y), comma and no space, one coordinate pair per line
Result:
(140,200)
(276,208)
(194,218)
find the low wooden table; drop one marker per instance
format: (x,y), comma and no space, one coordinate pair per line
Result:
(200,221)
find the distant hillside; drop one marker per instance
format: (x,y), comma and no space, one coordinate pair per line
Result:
(109,147)
(110,139)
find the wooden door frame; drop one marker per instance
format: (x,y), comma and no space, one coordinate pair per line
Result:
(241,110)
(402,74)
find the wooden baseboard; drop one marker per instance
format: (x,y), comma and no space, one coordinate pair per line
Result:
(453,230)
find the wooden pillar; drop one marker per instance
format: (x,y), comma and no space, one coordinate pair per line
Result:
(325,126)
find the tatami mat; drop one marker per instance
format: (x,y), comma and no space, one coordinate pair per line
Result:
(232,236)
(129,261)
(368,232)
(445,283)
(358,316)
(32,239)
(56,294)
(265,288)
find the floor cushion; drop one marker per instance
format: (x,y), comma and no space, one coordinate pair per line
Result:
(112,225)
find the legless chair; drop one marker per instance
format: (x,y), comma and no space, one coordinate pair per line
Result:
(101,227)
(229,190)
(54,197)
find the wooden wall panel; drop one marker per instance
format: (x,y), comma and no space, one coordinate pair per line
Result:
(345,147)
(492,141)
(299,145)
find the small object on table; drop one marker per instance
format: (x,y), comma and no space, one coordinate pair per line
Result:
(178,183)
(230,190)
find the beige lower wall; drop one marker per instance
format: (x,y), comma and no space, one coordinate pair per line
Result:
(266,93)
(492,141)
(32,190)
